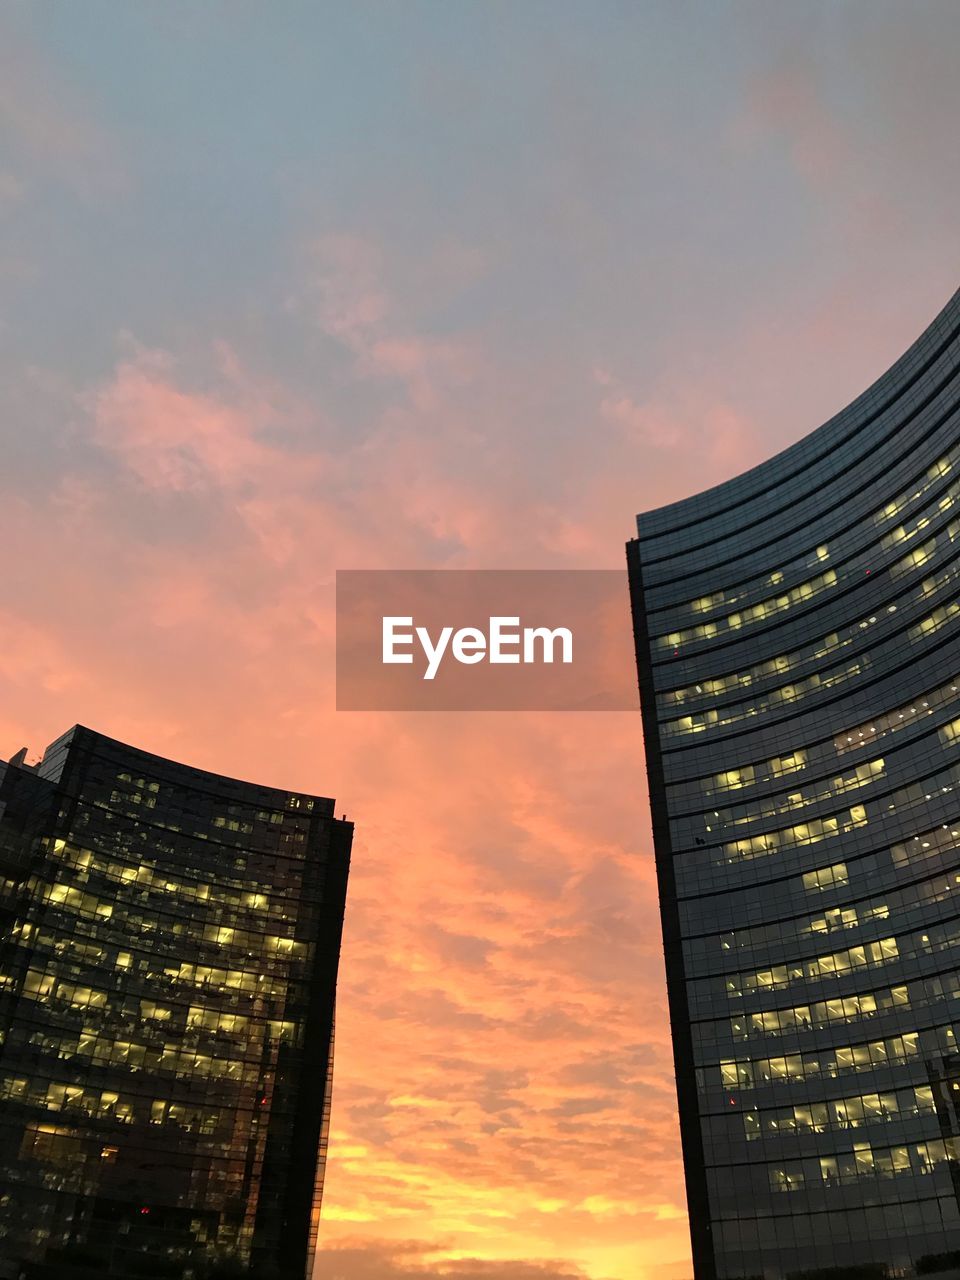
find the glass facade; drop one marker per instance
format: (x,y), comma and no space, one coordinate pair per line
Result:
(797,644)
(169,942)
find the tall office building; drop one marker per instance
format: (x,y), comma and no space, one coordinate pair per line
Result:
(796,633)
(169,942)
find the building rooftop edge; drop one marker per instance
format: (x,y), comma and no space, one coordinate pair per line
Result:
(127,748)
(730,493)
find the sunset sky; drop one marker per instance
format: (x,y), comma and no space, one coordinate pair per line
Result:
(292,287)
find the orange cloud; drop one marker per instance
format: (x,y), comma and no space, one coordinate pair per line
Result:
(409,1261)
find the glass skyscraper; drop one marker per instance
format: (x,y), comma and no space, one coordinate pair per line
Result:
(797,642)
(169,943)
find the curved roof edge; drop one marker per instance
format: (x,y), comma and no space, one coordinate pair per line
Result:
(210,781)
(797,457)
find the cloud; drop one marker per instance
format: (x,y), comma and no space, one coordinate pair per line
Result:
(408,1261)
(788,103)
(680,420)
(352,305)
(170,439)
(48,128)
(33,656)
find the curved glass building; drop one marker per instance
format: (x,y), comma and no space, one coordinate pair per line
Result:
(797,641)
(169,943)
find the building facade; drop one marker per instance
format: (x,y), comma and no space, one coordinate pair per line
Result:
(169,943)
(797,643)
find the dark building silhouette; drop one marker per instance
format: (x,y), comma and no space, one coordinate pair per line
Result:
(169,942)
(797,642)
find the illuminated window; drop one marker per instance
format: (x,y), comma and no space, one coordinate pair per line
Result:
(811,832)
(829,1063)
(759,612)
(939,469)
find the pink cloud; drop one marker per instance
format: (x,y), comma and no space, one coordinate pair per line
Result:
(171,439)
(681,419)
(49,128)
(788,104)
(352,305)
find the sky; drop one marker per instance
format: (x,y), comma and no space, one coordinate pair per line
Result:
(297,287)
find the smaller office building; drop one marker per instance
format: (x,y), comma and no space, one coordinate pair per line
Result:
(169,943)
